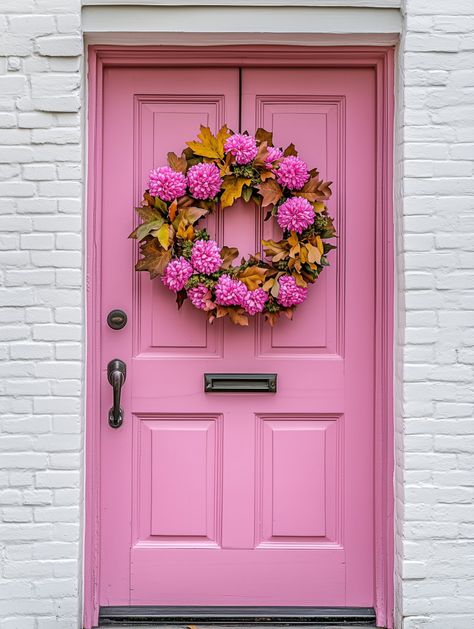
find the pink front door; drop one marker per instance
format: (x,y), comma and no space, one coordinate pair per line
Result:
(240,499)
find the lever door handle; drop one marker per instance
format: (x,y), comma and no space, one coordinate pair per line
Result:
(116,374)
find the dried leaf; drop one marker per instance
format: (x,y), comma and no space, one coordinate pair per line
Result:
(163,235)
(262,155)
(252,276)
(181,297)
(148,213)
(172,210)
(319,245)
(290,150)
(144,229)
(193,214)
(314,254)
(177,163)
(232,190)
(262,135)
(210,145)
(184,231)
(154,259)
(270,192)
(315,190)
(269,284)
(228,255)
(275,290)
(246,193)
(238,316)
(271,318)
(319,207)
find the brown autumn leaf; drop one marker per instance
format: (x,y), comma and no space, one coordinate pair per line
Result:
(262,135)
(290,150)
(210,145)
(238,316)
(232,190)
(252,276)
(172,210)
(270,192)
(193,214)
(267,174)
(228,255)
(154,259)
(179,164)
(278,250)
(262,154)
(299,279)
(148,213)
(271,318)
(314,254)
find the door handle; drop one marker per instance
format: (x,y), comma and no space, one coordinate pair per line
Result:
(116,374)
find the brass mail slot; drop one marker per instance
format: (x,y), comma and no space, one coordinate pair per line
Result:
(240,382)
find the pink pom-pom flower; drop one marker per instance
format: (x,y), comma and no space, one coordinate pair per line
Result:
(273,154)
(242,146)
(204,180)
(295,214)
(166,183)
(230,292)
(290,293)
(177,273)
(197,296)
(254,301)
(292,173)
(205,256)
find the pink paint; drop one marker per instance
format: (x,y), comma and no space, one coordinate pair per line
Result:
(241,499)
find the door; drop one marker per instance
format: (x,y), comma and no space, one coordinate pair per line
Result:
(219,499)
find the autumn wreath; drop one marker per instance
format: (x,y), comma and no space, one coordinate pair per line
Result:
(213,172)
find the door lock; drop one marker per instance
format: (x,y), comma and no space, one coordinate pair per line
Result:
(117,319)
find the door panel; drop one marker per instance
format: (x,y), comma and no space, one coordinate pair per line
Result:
(241,499)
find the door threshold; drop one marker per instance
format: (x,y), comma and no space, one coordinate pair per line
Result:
(232,616)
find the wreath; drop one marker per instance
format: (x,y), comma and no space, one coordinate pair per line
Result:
(213,172)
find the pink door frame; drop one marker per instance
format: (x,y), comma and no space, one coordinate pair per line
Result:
(381,59)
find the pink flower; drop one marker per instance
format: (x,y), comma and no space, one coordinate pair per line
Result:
(242,146)
(295,214)
(290,294)
(177,273)
(273,154)
(254,301)
(205,256)
(230,292)
(204,180)
(292,173)
(197,295)
(166,183)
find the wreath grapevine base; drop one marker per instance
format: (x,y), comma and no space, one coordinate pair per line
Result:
(215,171)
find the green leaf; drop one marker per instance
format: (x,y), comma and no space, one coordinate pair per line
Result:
(143,230)
(246,193)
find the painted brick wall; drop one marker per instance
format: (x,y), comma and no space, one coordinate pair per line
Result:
(435,428)
(41,333)
(41,365)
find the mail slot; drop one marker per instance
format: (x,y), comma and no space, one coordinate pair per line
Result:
(240,382)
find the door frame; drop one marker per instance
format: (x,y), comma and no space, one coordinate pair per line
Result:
(381,60)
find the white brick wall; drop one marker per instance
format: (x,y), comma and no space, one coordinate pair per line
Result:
(41,270)
(41,333)
(435,388)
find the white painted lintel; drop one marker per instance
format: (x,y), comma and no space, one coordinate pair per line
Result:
(233,24)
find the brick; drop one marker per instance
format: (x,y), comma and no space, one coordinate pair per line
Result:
(60,46)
